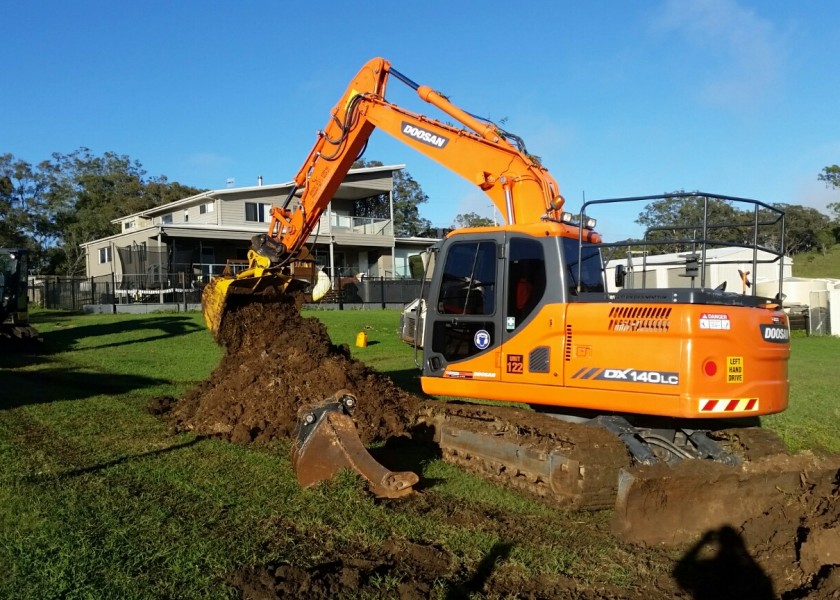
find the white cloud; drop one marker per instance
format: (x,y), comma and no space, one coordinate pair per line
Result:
(743,53)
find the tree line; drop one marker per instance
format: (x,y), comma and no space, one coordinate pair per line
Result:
(671,218)
(677,217)
(52,207)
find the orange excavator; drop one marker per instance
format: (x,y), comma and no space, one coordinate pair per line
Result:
(617,383)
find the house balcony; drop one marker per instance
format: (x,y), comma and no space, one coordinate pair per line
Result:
(361,225)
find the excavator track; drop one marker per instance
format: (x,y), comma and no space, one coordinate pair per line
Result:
(750,443)
(563,463)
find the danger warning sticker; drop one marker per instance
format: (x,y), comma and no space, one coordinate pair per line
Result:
(714,321)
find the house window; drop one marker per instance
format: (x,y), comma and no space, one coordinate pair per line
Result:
(186,216)
(166,219)
(252,211)
(206,208)
(260,213)
(105,255)
(128,225)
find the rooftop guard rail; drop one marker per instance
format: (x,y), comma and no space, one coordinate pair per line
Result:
(765,228)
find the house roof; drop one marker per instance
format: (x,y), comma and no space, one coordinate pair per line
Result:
(256,190)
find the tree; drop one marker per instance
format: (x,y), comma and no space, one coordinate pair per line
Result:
(23,218)
(71,199)
(805,229)
(84,193)
(407,196)
(472,219)
(676,221)
(681,218)
(831,176)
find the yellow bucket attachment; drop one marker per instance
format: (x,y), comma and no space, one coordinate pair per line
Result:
(217,294)
(327,441)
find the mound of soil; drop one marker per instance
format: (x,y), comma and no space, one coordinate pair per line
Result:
(277,361)
(797,543)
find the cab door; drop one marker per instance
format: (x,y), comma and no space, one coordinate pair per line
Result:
(533,317)
(464,318)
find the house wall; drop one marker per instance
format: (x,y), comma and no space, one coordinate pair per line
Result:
(146,236)
(364,245)
(232,210)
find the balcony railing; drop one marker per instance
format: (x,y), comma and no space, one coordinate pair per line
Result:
(361,225)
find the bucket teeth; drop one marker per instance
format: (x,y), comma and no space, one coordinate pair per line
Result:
(327,441)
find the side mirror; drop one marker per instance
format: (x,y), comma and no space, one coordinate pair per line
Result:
(620,275)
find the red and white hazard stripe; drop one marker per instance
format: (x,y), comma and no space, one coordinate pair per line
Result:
(729,406)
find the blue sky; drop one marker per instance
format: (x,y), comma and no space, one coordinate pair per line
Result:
(619,98)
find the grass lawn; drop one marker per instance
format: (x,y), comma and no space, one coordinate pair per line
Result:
(99,500)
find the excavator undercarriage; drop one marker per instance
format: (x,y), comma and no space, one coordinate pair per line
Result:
(665,486)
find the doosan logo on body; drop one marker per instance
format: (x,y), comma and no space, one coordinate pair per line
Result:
(772,333)
(421,135)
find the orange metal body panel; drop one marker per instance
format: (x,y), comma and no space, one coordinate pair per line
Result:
(635,362)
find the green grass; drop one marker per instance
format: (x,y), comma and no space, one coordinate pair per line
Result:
(98,499)
(810,422)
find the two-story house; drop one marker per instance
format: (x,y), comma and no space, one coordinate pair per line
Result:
(193,238)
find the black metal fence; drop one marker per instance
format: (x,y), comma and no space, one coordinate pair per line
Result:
(179,290)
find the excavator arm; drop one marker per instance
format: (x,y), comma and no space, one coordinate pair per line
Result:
(521,189)
(480,151)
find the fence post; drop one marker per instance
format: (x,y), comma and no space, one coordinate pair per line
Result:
(340,294)
(382,290)
(113,293)
(183,290)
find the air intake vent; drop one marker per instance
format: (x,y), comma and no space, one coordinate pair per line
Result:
(637,319)
(538,360)
(568,350)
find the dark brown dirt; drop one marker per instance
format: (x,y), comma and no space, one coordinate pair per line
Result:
(277,361)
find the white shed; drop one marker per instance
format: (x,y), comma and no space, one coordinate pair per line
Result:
(722,266)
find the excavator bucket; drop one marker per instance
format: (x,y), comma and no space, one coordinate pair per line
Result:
(327,441)
(217,294)
(262,280)
(659,504)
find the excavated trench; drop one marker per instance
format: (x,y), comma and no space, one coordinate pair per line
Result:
(277,361)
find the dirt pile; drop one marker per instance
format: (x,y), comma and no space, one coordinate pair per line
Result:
(797,543)
(277,361)
(790,551)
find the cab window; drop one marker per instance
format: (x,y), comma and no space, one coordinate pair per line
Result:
(591,273)
(526,279)
(468,286)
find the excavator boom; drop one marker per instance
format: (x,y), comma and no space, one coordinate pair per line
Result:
(479,151)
